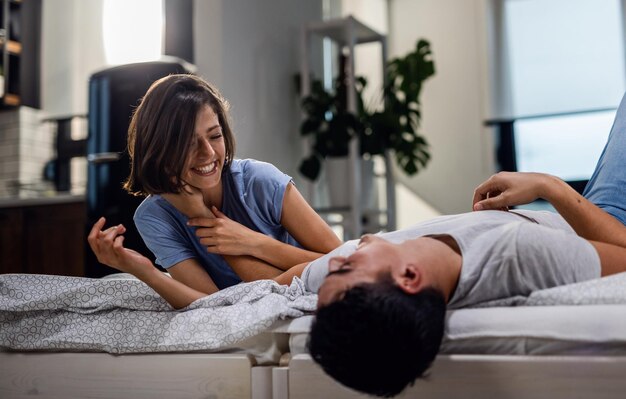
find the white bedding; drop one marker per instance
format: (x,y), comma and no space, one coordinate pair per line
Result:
(121,315)
(577,319)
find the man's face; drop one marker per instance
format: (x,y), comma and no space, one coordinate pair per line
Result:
(373,258)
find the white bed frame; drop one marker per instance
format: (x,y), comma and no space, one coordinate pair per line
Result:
(197,375)
(149,376)
(486,376)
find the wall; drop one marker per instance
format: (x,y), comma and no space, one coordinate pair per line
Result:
(455,101)
(250,51)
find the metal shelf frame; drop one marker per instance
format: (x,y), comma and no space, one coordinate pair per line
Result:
(348,32)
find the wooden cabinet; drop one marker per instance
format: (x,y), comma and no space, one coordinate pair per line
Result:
(11,234)
(20,52)
(43,239)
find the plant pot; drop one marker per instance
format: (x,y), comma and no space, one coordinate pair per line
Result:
(338,179)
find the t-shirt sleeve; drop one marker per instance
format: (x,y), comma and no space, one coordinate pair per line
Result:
(314,274)
(264,190)
(163,237)
(549,257)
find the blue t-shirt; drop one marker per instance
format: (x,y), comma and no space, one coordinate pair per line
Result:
(253,193)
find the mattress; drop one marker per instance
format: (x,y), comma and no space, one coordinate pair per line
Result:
(522,330)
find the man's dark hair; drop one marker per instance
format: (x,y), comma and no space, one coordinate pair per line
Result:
(378,339)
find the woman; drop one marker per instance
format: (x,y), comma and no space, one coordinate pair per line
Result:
(211,220)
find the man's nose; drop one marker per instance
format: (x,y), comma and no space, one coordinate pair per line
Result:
(365,238)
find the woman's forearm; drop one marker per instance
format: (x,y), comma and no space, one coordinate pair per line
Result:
(286,277)
(249,268)
(177,294)
(282,255)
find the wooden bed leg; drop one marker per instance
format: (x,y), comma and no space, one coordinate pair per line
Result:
(280,383)
(261,377)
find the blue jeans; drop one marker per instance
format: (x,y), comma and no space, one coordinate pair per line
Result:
(607,186)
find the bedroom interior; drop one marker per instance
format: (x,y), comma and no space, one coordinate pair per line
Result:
(480,114)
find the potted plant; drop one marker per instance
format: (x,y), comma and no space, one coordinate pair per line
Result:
(395,128)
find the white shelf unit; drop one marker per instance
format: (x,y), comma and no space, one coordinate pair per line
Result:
(348,33)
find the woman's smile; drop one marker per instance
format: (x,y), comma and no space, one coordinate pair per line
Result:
(205,170)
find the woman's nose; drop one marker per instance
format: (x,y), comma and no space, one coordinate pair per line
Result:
(206,148)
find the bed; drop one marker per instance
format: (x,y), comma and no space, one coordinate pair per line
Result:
(566,342)
(67,337)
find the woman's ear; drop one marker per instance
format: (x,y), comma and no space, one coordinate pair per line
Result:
(410,279)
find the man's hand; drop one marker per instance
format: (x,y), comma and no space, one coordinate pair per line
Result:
(108,245)
(222,235)
(509,189)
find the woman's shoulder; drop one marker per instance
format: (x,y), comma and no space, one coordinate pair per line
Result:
(252,171)
(153,206)
(249,165)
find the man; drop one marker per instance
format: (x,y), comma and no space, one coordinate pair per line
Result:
(382,302)
(382,299)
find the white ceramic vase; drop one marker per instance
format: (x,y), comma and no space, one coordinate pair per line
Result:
(338,179)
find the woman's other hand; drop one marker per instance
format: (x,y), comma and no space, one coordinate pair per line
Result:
(108,245)
(506,189)
(224,236)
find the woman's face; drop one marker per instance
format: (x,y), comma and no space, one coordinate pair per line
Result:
(205,160)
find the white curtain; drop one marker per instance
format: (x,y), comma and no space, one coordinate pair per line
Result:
(562,55)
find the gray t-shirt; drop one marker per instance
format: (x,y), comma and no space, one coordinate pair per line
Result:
(505,254)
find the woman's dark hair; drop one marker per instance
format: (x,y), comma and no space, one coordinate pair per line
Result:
(162,129)
(378,339)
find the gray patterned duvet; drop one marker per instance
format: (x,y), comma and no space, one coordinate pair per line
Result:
(122,315)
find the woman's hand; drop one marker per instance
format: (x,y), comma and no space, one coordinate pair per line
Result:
(509,189)
(222,235)
(108,245)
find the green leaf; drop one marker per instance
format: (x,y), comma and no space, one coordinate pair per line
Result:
(310,167)
(396,127)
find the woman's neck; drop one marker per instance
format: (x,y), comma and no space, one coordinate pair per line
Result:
(213,196)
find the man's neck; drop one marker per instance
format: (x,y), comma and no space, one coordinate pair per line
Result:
(440,263)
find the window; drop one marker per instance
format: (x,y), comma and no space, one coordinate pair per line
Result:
(564,55)
(562,74)
(566,146)
(132,30)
